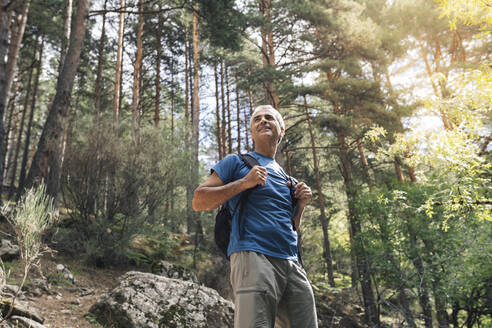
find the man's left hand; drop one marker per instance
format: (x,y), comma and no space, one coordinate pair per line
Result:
(303,194)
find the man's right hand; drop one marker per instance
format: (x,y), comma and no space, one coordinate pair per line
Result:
(256,176)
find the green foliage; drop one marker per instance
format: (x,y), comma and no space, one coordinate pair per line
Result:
(117,192)
(32,216)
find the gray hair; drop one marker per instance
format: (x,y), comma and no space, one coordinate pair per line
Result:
(275,113)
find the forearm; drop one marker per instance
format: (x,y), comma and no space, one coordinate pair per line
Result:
(207,198)
(296,219)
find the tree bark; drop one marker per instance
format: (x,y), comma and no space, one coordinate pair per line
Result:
(370,308)
(27,140)
(238,111)
(229,120)
(21,125)
(136,79)
(268,51)
(67,22)
(100,62)
(158,73)
(365,164)
(223,125)
(4,30)
(321,201)
(47,153)
(217,113)
(119,60)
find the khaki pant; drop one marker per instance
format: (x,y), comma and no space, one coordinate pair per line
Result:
(271,292)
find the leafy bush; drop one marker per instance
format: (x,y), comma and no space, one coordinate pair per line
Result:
(116,191)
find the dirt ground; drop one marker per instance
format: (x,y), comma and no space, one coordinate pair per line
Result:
(66,304)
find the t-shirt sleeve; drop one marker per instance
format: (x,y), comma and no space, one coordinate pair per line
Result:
(226,168)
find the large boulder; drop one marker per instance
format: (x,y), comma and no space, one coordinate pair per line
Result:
(171,270)
(147,300)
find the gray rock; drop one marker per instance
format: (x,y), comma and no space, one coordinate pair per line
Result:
(23,310)
(8,251)
(145,300)
(170,270)
(84,291)
(65,273)
(23,322)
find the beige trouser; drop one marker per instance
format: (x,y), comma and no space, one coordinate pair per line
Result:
(270,292)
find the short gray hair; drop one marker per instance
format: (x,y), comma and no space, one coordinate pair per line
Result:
(275,113)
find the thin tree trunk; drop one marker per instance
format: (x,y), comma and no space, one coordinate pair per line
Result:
(217,113)
(321,201)
(398,170)
(4,30)
(27,140)
(196,119)
(370,308)
(268,51)
(47,152)
(136,79)
(238,111)
(67,22)
(445,120)
(119,60)
(365,164)
(14,47)
(188,86)
(100,62)
(172,100)
(158,73)
(229,120)
(9,130)
(21,125)
(223,125)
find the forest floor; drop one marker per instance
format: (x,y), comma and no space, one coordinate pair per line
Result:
(66,304)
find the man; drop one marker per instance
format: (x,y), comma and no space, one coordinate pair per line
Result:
(270,286)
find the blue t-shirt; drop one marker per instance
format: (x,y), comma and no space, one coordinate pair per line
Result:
(266,223)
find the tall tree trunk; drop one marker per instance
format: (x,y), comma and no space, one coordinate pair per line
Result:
(136,78)
(364,162)
(119,60)
(21,125)
(67,22)
(47,153)
(14,47)
(422,289)
(158,73)
(27,140)
(223,125)
(196,118)
(321,201)
(445,120)
(172,100)
(268,51)
(229,119)
(4,30)
(188,87)
(217,113)
(9,132)
(370,308)
(238,111)
(100,62)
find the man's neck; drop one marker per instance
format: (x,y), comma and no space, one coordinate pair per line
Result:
(266,150)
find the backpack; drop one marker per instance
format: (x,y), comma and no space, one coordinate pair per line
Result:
(223,219)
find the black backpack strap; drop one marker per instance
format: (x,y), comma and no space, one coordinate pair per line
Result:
(250,162)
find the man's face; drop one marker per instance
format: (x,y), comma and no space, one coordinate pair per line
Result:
(265,127)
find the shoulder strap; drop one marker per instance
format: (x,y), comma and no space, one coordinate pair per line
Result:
(249,160)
